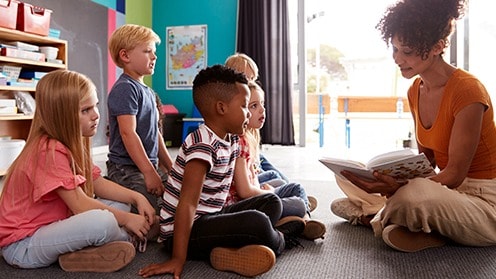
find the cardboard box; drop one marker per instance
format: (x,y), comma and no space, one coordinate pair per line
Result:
(8,13)
(33,19)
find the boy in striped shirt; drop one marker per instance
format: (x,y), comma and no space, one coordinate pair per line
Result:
(240,238)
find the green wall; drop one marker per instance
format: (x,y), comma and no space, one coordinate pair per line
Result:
(138,12)
(220,18)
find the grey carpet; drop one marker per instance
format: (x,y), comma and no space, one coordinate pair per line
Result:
(346,252)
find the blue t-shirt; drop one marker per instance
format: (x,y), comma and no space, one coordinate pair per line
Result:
(130,97)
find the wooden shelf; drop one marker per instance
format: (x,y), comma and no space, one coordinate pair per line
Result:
(14,60)
(18,116)
(17,88)
(17,126)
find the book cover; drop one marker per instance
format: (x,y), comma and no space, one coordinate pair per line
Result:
(401,164)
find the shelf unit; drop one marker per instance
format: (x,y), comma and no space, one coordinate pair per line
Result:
(17,126)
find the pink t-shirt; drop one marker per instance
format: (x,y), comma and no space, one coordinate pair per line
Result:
(30,202)
(252,171)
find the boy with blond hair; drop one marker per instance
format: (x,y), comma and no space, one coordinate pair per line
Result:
(138,157)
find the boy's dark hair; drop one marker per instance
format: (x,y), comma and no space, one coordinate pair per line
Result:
(218,73)
(214,83)
(420,24)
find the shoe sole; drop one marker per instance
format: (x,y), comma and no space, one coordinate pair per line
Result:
(401,239)
(109,257)
(312,203)
(291,225)
(249,261)
(313,230)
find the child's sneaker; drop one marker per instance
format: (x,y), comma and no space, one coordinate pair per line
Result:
(402,239)
(314,229)
(312,203)
(139,245)
(347,210)
(291,225)
(249,261)
(109,257)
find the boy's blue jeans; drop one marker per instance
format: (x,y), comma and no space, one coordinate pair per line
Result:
(91,228)
(250,221)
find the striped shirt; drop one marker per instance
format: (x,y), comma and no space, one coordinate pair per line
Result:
(205,145)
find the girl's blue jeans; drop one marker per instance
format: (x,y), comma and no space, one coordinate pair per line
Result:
(91,228)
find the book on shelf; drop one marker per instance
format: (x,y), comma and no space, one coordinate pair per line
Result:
(400,164)
(8,110)
(24,54)
(24,46)
(7,103)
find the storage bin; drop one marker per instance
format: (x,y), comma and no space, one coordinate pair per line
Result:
(8,13)
(9,149)
(172,129)
(50,52)
(33,19)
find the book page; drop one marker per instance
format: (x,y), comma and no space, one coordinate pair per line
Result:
(389,157)
(338,165)
(406,168)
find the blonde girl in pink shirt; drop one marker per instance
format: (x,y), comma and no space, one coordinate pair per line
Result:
(55,206)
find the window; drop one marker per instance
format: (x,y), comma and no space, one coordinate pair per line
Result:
(354,61)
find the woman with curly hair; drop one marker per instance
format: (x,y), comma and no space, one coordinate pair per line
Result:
(455,129)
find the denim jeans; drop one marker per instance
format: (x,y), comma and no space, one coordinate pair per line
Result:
(90,228)
(290,191)
(265,165)
(250,221)
(131,177)
(269,176)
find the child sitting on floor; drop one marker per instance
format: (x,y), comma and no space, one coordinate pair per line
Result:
(194,222)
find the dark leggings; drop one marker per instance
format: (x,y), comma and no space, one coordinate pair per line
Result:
(250,221)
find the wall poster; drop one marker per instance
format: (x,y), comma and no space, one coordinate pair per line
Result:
(186,55)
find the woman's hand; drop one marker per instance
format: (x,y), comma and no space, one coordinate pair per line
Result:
(384,184)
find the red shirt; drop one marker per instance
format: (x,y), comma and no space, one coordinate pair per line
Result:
(29,201)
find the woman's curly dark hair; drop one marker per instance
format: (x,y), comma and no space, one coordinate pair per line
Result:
(420,24)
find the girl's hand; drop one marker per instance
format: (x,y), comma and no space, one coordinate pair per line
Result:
(145,209)
(267,187)
(137,225)
(384,184)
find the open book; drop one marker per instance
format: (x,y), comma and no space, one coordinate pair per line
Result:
(400,164)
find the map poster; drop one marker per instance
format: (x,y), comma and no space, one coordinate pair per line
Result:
(186,55)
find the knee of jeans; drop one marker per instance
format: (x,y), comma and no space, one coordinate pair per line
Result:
(293,206)
(105,220)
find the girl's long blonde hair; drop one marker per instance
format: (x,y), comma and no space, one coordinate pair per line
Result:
(252,135)
(58,96)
